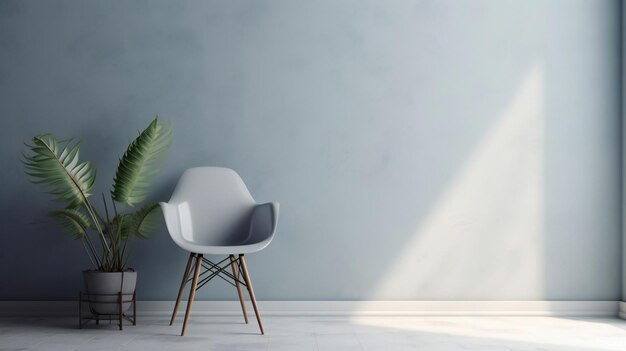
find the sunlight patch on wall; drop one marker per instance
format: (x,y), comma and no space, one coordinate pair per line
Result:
(485,232)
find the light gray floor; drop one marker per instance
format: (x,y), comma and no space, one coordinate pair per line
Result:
(318,333)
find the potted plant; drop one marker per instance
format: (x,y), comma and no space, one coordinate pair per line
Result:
(105,234)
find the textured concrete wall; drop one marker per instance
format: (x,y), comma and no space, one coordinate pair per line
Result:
(419,149)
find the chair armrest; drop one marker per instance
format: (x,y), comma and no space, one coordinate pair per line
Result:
(172,220)
(263,221)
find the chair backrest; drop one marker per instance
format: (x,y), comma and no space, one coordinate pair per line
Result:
(218,203)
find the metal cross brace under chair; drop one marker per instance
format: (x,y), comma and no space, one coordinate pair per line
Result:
(204,271)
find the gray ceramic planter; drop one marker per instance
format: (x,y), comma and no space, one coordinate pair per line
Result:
(104,288)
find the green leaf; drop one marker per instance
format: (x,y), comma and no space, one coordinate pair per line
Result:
(56,164)
(140,163)
(117,227)
(143,221)
(73,221)
(139,223)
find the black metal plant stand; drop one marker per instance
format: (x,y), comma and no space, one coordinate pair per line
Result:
(84,297)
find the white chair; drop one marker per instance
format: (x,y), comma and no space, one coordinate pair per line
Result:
(212,213)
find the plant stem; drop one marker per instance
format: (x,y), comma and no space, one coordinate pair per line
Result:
(96,221)
(90,255)
(92,248)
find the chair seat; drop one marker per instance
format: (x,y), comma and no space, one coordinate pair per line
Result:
(245,247)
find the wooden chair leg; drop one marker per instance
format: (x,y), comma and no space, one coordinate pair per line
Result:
(235,267)
(246,276)
(182,287)
(192,293)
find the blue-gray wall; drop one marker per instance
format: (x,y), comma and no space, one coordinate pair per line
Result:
(623,91)
(419,149)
